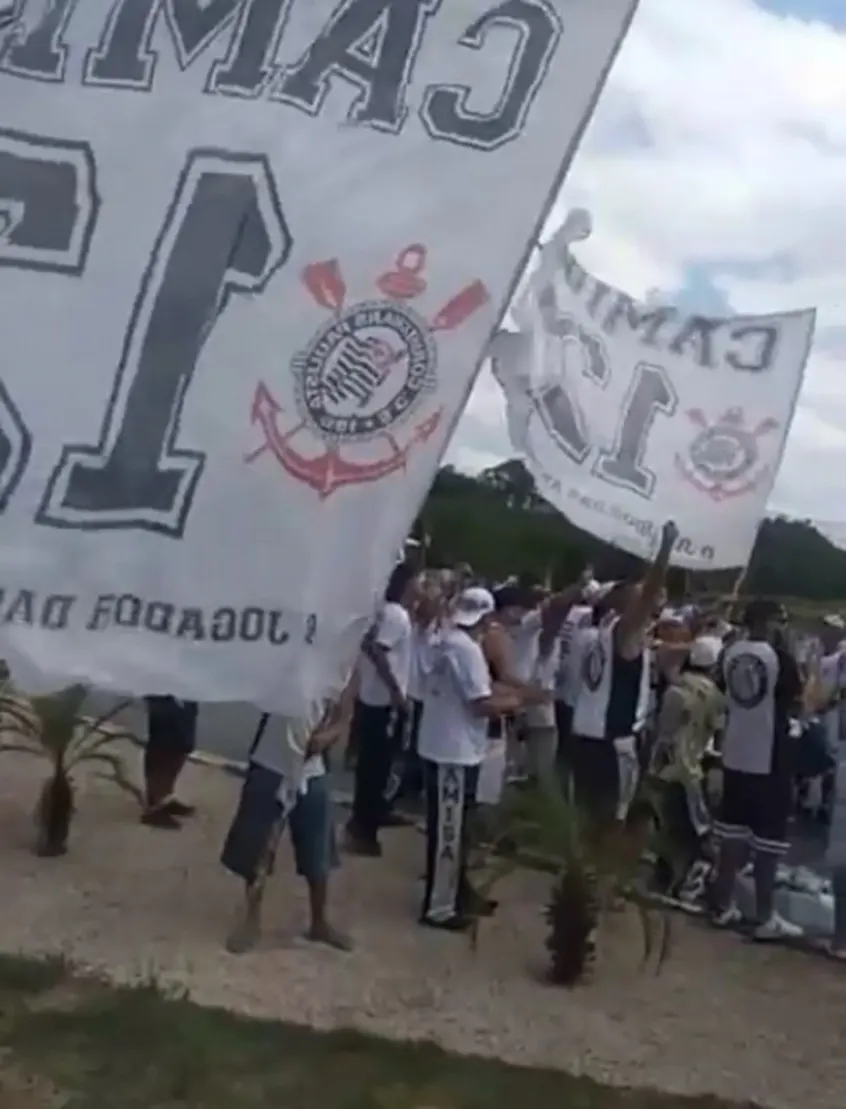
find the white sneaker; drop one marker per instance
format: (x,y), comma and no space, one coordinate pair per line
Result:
(725,918)
(777,928)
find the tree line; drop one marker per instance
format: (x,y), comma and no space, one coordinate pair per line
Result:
(498,523)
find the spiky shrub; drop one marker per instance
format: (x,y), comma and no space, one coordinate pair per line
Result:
(550,833)
(619,859)
(55,729)
(575,904)
(542,828)
(573,918)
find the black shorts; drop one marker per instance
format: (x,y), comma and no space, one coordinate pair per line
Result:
(755,808)
(596,777)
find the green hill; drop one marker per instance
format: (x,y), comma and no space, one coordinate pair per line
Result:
(499,523)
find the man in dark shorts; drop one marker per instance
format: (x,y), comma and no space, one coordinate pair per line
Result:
(284,787)
(763,688)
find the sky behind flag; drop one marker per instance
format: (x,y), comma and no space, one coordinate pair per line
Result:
(715,171)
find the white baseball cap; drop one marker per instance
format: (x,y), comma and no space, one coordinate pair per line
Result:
(471,606)
(705,652)
(671,615)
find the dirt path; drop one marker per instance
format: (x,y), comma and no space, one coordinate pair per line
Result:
(724,1017)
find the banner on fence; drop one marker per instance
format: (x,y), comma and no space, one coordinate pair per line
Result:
(251,253)
(628,414)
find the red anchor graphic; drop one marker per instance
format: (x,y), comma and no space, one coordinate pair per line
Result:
(329,470)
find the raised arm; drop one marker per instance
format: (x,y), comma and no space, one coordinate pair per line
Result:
(556,610)
(631,627)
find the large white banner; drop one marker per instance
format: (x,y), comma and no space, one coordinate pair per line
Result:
(629,414)
(251,252)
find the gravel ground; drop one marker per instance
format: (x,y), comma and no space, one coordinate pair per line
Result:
(723,1017)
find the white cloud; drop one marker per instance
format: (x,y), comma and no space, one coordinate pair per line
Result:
(744,168)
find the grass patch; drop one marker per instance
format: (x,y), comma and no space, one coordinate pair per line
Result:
(138,1048)
(20,977)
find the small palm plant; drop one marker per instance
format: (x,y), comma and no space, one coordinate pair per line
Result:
(54,728)
(575,904)
(548,831)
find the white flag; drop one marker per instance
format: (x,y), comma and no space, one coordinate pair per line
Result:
(629,414)
(251,252)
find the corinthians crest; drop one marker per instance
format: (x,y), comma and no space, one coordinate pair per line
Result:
(722,459)
(364,382)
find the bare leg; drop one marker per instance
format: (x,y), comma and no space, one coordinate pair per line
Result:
(162,776)
(540,745)
(156,777)
(161,770)
(171,733)
(320,930)
(245,930)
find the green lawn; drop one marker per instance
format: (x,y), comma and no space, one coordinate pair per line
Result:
(68,1041)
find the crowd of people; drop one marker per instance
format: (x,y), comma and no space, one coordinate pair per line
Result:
(464,685)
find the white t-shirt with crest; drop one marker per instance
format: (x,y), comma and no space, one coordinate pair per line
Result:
(450,731)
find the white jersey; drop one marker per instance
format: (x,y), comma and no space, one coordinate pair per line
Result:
(393,633)
(450,731)
(567,678)
(757,720)
(613,699)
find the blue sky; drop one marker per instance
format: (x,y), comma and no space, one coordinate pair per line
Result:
(832,12)
(715,171)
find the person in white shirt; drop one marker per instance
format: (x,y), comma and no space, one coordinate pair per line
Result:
(568,679)
(763,689)
(533,626)
(407,777)
(518,615)
(613,699)
(286,785)
(380,712)
(459,699)
(541,722)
